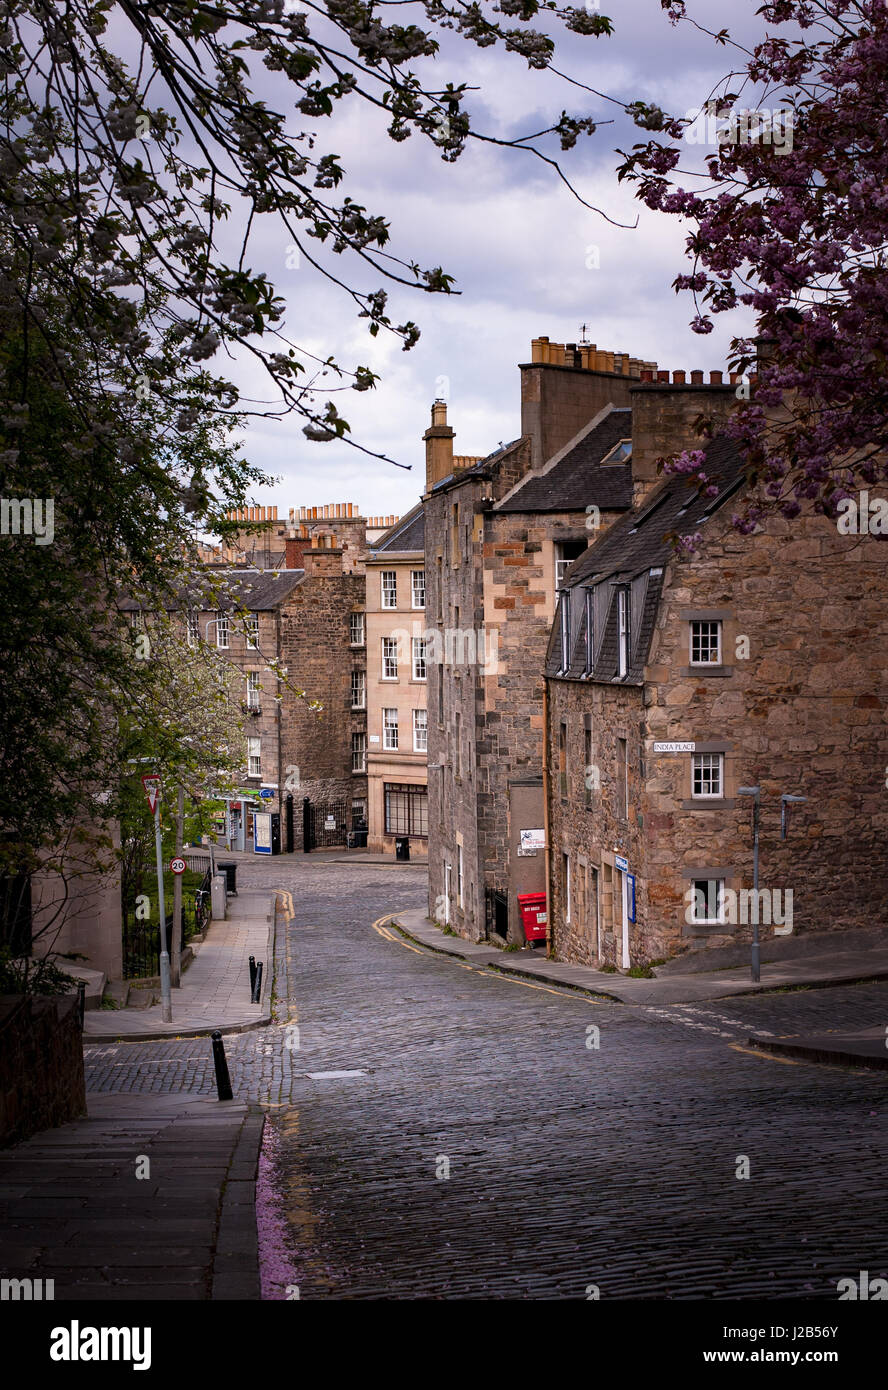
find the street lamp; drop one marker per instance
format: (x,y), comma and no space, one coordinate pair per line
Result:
(755,963)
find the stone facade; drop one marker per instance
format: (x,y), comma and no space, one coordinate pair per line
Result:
(495,529)
(794,704)
(396,615)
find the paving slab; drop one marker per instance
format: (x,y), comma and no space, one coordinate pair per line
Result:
(215,991)
(839,966)
(123,1235)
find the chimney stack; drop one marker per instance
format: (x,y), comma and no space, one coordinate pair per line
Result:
(439,446)
(664,422)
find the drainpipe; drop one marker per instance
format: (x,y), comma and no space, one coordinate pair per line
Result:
(550,941)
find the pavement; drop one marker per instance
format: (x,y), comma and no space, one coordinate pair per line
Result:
(215,989)
(151,1197)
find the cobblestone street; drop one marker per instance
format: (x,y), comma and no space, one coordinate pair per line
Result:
(570,1165)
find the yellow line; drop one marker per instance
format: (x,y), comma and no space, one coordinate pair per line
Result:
(766,1056)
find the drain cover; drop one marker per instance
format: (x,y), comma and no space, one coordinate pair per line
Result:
(332,1075)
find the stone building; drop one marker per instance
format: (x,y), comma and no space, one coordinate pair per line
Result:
(395,692)
(500,533)
(675,680)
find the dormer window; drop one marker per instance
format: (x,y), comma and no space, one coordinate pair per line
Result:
(620,453)
(590,632)
(622,632)
(565,631)
(706,642)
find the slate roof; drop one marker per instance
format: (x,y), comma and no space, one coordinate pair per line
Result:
(629,549)
(252,590)
(407,534)
(579,477)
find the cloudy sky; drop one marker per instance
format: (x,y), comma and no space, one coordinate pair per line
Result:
(517,243)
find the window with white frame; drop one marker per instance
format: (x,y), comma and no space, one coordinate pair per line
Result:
(420,666)
(565,554)
(565,885)
(359,752)
(223,631)
(590,631)
(622,632)
(389,658)
(252,689)
(565,631)
(389,579)
(420,731)
(254,757)
(251,628)
(390,728)
(359,689)
(708,775)
(459,875)
(192,629)
(708,901)
(356,629)
(706,642)
(137,620)
(417,582)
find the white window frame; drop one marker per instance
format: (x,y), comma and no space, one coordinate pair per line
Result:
(388,592)
(390,728)
(564,602)
(358,689)
(459,876)
(565,860)
(251,631)
(389,659)
(356,624)
(253,691)
(359,752)
(419,653)
(192,629)
(712,760)
(695,629)
(417,588)
(622,632)
(420,731)
(254,757)
(590,632)
(707,921)
(223,631)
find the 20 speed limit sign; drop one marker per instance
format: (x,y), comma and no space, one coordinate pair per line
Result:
(178,866)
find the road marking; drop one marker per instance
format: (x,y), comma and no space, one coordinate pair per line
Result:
(723,1018)
(289,909)
(767,1056)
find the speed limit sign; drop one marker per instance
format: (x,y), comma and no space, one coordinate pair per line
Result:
(178,866)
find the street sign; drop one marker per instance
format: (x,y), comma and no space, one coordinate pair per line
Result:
(621,862)
(266,793)
(685,746)
(178,866)
(151,783)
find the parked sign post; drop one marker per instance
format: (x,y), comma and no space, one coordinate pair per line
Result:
(151,784)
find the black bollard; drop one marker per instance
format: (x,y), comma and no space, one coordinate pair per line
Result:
(223,1080)
(257,985)
(252,975)
(81,1003)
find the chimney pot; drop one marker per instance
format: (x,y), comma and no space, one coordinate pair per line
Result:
(715,378)
(662,376)
(696,378)
(678,378)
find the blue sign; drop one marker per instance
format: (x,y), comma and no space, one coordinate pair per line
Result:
(266,793)
(630,896)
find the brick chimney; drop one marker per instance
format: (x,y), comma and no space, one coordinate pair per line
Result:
(663,421)
(322,560)
(439,446)
(294,545)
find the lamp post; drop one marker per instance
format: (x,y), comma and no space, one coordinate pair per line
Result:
(755,962)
